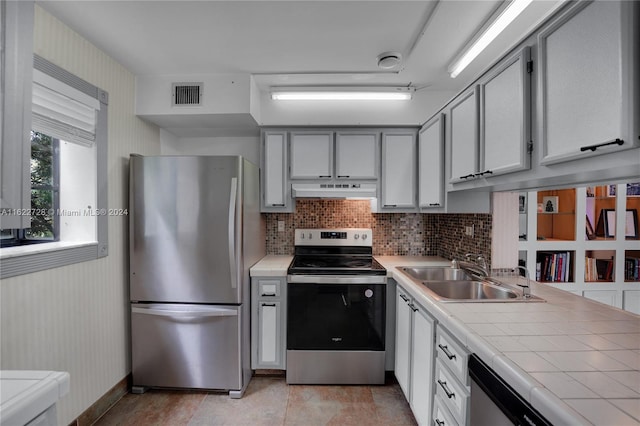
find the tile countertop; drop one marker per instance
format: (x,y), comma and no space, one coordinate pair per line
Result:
(575,360)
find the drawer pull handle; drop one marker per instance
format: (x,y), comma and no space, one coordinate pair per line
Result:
(268,294)
(277,205)
(413,307)
(592,148)
(269,304)
(445,349)
(446,389)
(439,422)
(403,297)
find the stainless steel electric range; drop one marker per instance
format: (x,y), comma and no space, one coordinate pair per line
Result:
(336,309)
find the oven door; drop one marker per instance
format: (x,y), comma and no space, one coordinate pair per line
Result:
(330,315)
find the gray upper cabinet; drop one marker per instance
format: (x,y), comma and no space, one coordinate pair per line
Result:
(311,155)
(275,191)
(463,136)
(505,116)
(398,170)
(431,164)
(357,155)
(16,25)
(588,57)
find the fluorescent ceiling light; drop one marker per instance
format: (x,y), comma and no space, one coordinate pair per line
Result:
(342,94)
(508,15)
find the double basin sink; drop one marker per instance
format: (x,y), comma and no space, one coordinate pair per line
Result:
(447,284)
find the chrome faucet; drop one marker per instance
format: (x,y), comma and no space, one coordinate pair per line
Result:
(526,289)
(480,261)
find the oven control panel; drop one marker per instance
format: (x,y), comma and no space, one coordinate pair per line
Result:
(334,237)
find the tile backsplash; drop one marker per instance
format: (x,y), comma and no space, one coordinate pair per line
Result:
(411,234)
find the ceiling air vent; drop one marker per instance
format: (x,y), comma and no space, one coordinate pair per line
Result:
(186,94)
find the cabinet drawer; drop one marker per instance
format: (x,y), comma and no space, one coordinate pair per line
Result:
(441,414)
(268,288)
(453,355)
(454,395)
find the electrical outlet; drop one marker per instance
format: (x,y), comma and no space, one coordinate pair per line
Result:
(469,230)
(281,226)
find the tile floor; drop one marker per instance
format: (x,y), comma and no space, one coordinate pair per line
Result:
(268,401)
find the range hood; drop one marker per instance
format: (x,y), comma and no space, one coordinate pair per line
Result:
(333,190)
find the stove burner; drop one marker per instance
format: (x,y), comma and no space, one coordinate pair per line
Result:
(335,264)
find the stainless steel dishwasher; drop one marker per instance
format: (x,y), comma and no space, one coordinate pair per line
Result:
(494,402)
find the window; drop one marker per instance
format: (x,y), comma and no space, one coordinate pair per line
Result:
(64,185)
(45,195)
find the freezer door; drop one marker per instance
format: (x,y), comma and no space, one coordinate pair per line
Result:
(186,346)
(185,229)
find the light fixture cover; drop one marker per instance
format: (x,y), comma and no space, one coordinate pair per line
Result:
(508,15)
(340,93)
(389,60)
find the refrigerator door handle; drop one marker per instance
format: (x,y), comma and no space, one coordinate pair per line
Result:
(232,233)
(191,313)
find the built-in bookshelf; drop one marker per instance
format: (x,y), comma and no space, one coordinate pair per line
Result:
(584,240)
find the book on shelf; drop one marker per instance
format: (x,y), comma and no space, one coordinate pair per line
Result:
(632,269)
(553,266)
(598,269)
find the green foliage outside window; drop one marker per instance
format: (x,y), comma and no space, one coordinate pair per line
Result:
(42,186)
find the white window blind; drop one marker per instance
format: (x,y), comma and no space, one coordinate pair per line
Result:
(62,111)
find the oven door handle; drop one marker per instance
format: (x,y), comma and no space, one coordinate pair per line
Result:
(337,279)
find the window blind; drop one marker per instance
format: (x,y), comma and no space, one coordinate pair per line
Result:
(63,112)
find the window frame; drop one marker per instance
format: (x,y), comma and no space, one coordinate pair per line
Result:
(57,254)
(20,237)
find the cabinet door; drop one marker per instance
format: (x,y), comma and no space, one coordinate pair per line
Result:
(422,356)
(505,117)
(274,182)
(586,80)
(311,155)
(398,170)
(356,155)
(430,163)
(463,136)
(16,23)
(269,353)
(403,341)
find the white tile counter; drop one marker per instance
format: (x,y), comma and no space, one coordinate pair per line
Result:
(271,266)
(575,360)
(29,395)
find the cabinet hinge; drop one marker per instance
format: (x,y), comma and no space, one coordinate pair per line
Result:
(530,147)
(530,67)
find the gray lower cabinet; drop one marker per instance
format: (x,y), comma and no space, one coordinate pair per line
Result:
(451,378)
(268,323)
(415,330)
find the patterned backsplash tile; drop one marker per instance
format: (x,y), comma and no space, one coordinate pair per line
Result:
(411,234)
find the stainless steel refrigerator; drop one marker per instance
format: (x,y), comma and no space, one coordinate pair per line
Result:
(195,230)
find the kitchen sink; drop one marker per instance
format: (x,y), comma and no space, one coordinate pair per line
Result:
(447,284)
(469,290)
(435,273)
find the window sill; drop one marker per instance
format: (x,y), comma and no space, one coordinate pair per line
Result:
(38,257)
(11,252)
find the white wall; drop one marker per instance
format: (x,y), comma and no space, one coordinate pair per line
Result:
(76,318)
(248,147)
(78,179)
